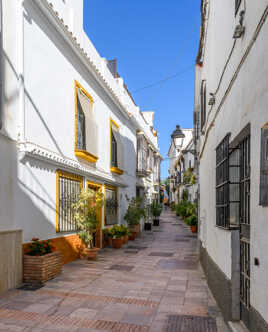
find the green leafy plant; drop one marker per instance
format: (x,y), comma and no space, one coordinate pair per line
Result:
(124,230)
(185,195)
(134,211)
(192,220)
(187,176)
(40,248)
(116,232)
(156,209)
(192,181)
(85,214)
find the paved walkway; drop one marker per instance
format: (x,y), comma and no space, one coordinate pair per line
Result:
(154,285)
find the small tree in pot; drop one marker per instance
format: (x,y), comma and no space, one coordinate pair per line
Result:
(134,214)
(192,222)
(156,210)
(85,214)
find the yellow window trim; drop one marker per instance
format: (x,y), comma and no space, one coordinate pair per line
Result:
(107,186)
(81,153)
(66,175)
(86,155)
(115,170)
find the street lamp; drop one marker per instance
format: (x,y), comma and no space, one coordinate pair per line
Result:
(177,137)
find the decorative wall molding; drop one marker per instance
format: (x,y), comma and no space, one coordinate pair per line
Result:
(33,151)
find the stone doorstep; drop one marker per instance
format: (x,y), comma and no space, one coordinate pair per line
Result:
(237,327)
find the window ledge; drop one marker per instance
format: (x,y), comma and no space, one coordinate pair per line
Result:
(86,155)
(117,170)
(230,228)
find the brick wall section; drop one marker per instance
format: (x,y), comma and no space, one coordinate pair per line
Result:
(39,269)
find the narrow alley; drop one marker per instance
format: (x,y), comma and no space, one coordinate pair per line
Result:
(155,284)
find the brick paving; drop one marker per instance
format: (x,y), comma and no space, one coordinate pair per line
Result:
(156,285)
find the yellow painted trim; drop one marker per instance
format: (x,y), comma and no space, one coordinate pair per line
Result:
(107,186)
(66,175)
(86,155)
(114,123)
(265,125)
(116,170)
(81,153)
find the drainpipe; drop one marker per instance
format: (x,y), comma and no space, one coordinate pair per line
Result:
(20,58)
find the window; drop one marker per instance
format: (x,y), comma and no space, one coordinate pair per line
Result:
(116,149)
(86,131)
(68,190)
(111,205)
(203,103)
(81,128)
(222,183)
(237,5)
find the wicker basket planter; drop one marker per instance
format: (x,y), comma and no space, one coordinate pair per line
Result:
(40,269)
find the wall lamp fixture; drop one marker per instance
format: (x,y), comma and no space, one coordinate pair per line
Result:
(212,99)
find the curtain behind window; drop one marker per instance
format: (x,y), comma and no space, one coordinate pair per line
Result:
(91,129)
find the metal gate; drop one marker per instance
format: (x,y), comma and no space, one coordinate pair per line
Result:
(244,146)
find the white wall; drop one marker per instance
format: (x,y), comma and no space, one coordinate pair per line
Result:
(245,103)
(51,68)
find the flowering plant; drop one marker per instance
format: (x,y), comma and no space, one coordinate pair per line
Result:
(40,248)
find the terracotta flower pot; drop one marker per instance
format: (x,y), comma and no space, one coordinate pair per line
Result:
(91,253)
(194,229)
(132,236)
(125,239)
(117,243)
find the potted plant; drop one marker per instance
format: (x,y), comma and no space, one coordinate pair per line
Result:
(133,215)
(156,210)
(192,222)
(85,215)
(117,240)
(41,262)
(107,237)
(124,233)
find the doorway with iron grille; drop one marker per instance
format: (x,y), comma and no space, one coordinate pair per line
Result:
(239,186)
(244,147)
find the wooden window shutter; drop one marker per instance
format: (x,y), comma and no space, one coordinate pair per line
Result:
(264,167)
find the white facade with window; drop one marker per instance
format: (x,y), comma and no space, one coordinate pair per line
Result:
(177,165)
(231,129)
(67,121)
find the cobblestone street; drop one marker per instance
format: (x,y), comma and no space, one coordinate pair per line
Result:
(155,284)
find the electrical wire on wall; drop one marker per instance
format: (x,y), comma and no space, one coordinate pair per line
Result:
(234,77)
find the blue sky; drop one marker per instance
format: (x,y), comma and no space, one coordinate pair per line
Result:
(151,40)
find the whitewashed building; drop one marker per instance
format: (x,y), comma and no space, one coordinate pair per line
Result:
(231,130)
(181,161)
(67,122)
